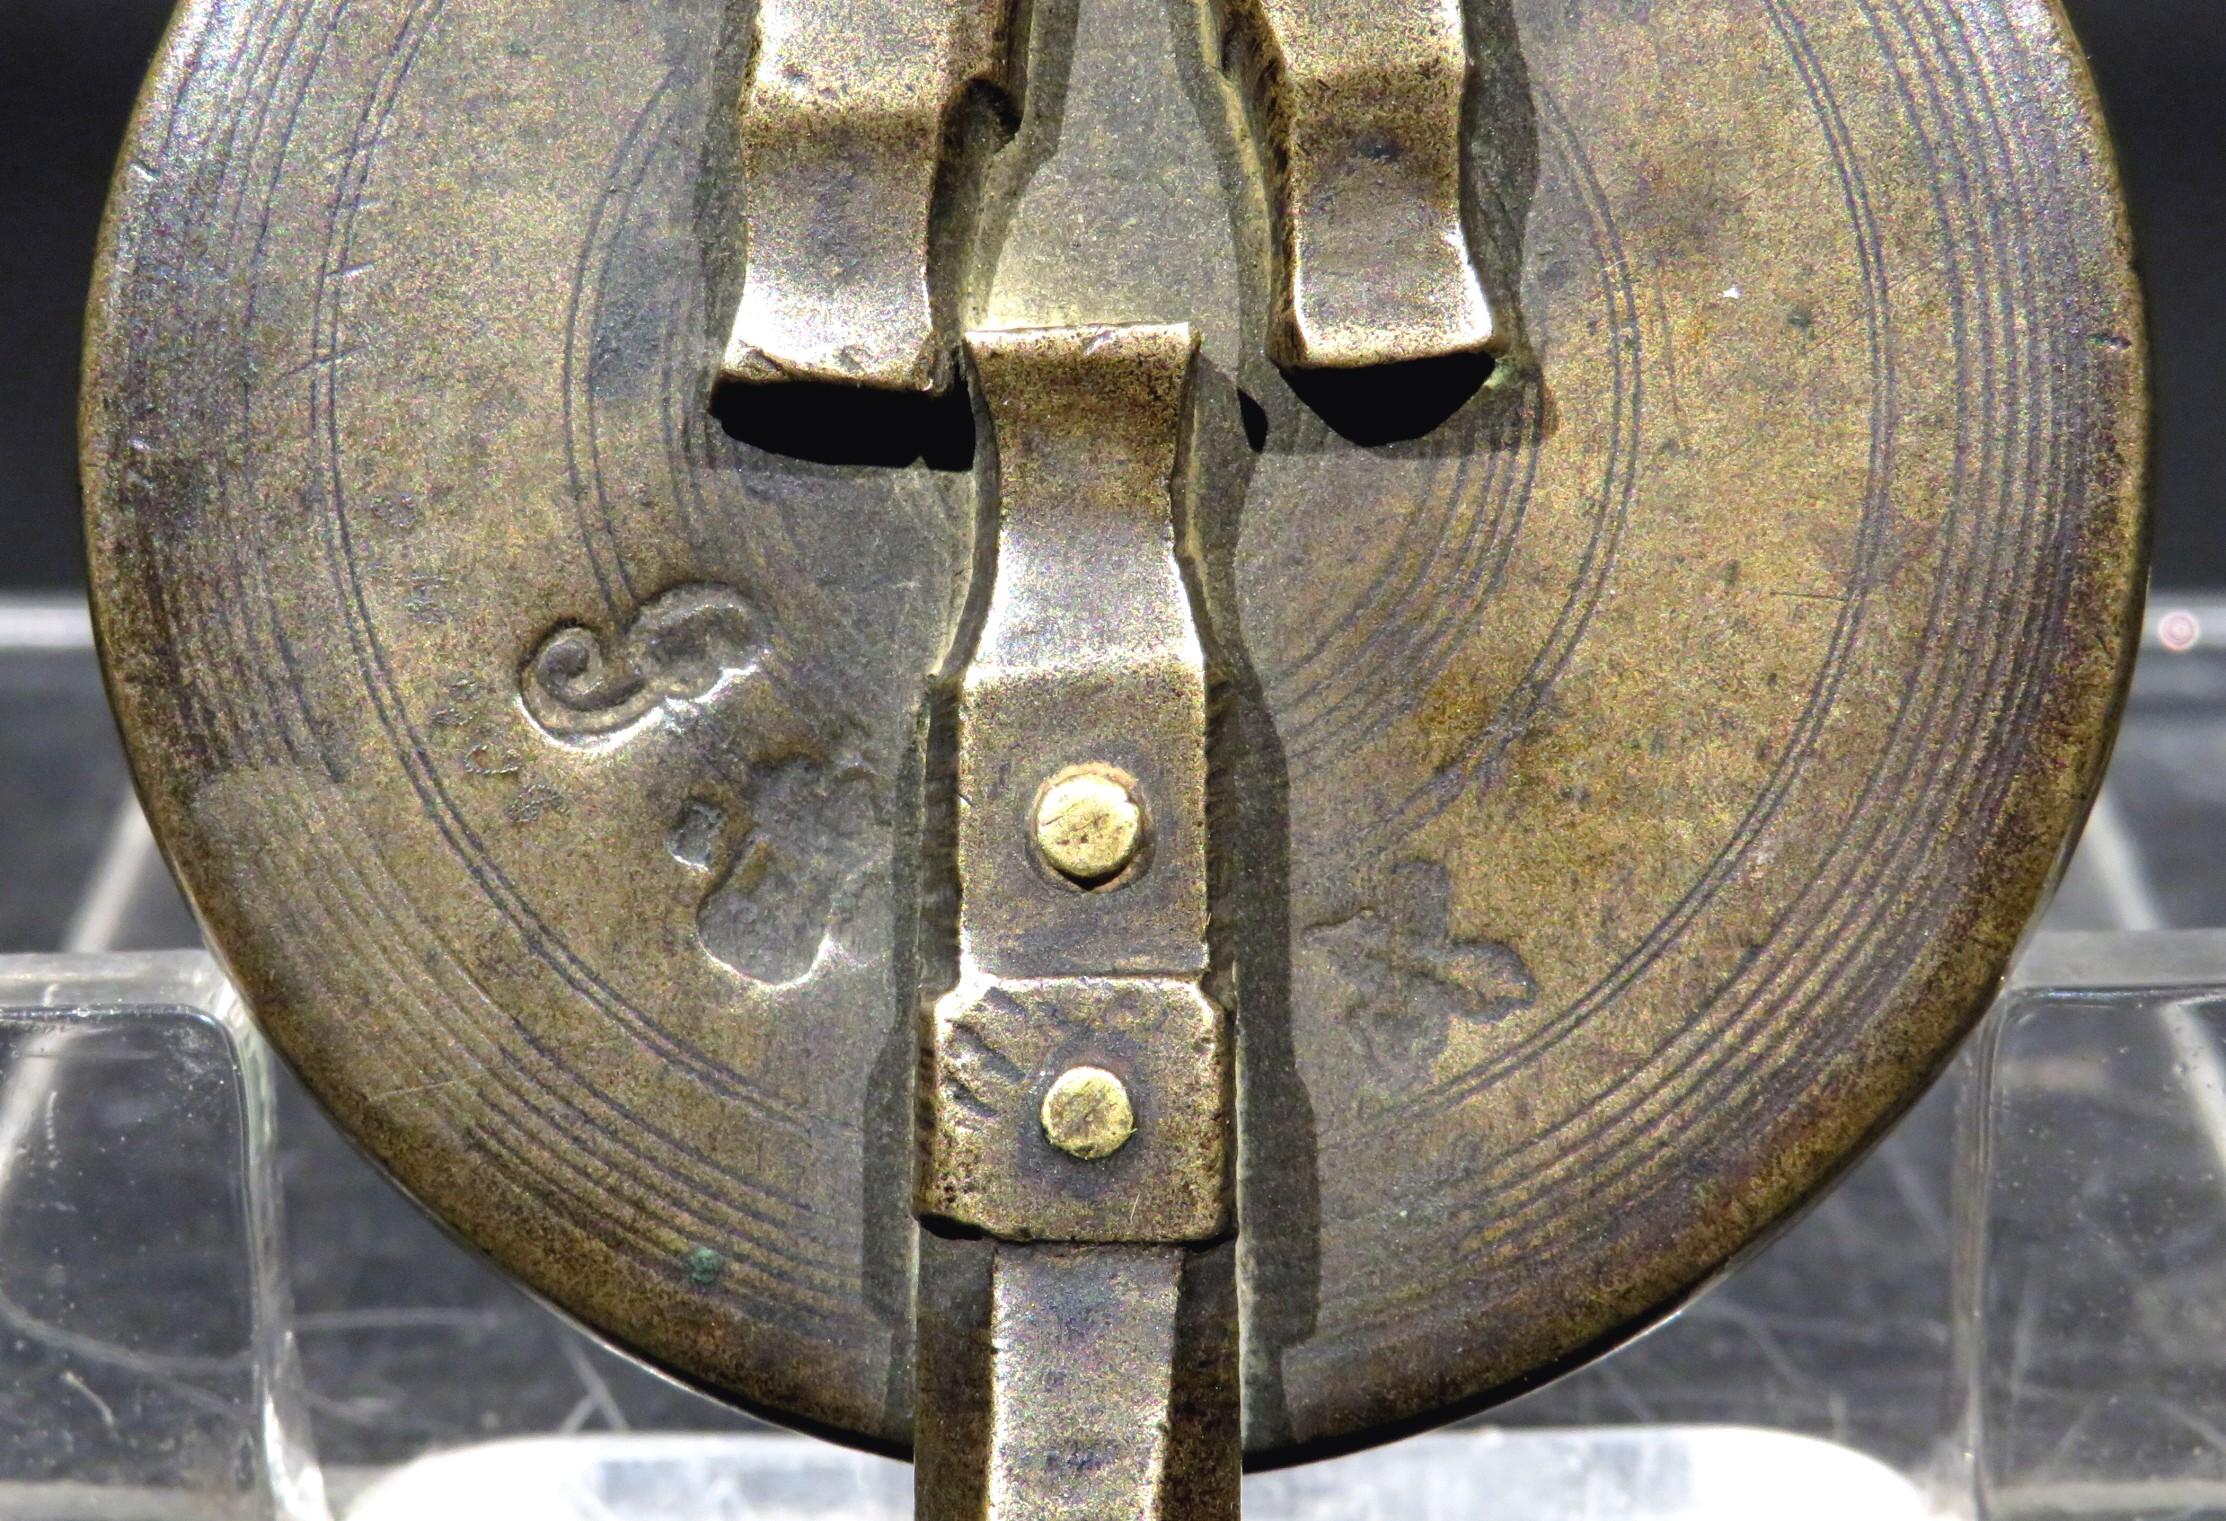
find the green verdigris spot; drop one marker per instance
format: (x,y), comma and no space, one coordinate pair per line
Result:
(705,1266)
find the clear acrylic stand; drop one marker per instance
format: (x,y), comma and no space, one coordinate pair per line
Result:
(148,1362)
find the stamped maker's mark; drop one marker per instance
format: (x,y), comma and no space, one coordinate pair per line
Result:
(1406,982)
(783,819)
(581,687)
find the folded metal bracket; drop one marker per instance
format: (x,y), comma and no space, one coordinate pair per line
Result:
(1358,112)
(864,130)
(1075,1095)
(861,144)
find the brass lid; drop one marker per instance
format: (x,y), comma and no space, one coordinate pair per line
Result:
(1646,759)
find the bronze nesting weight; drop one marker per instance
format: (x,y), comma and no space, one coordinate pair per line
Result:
(1090,736)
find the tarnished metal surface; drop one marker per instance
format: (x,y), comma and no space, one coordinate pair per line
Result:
(1641,761)
(1075,1082)
(1359,116)
(993,1061)
(994,1056)
(1083,657)
(1087,653)
(864,129)
(1063,1383)
(1088,1114)
(1089,825)
(1087,1360)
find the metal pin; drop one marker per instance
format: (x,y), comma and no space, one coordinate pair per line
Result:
(1089,825)
(1087,1114)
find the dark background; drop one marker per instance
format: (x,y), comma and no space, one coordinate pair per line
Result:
(69,69)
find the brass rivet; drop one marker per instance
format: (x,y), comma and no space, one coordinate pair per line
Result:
(1089,826)
(1087,1114)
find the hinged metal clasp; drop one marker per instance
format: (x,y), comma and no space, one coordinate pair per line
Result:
(865,129)
(1075,1094)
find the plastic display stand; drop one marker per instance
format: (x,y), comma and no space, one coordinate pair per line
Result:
(148,1339)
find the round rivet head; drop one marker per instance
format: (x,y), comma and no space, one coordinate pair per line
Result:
(1087,1114)
(1089,826)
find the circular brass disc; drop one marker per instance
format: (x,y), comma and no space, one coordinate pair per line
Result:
(1641,776)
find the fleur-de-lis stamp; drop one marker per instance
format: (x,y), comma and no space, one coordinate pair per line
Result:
(1405,981)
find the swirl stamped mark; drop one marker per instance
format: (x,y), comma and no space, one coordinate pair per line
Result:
(581,687)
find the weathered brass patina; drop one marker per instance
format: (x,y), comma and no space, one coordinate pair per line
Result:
(1075,1084)
(865,128)
(1633,755)
(863,133)
(1087,1114)
(1089,825)
(1359,110)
